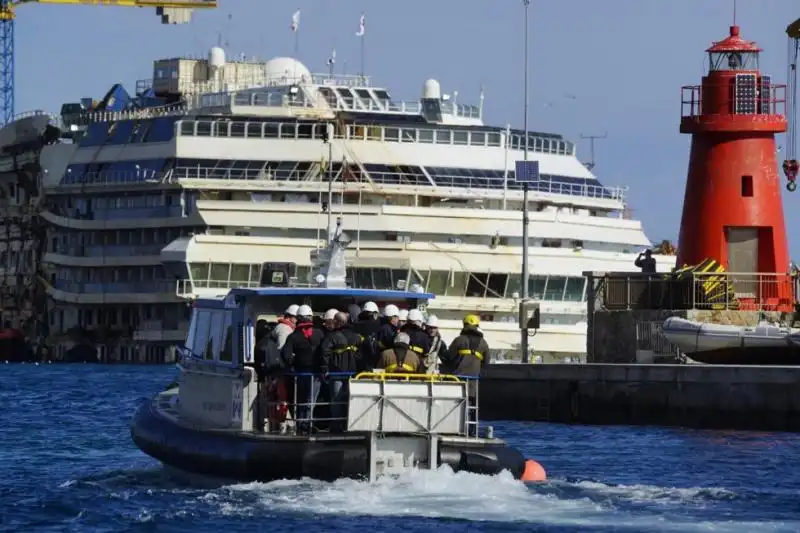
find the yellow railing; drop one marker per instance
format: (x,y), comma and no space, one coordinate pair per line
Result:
(383,376)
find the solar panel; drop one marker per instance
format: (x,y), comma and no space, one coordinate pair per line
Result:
(527,172)
(745,94)
(764,95)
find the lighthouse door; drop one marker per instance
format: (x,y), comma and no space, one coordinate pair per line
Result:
(743,259)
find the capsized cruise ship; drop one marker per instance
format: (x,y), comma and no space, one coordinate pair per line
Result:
(214,168)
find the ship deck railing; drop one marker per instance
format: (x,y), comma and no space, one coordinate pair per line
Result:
(712,291)
(304,179)
(325,413)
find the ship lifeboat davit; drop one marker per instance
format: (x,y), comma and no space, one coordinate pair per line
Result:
(721,344)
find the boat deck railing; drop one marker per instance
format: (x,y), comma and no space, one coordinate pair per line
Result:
(311,403)
(733,291)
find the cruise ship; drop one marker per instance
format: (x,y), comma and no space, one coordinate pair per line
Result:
(216,167)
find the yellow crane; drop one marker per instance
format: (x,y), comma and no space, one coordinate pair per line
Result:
(791,167)
(170,11)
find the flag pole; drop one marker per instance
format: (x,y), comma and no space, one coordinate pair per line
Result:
(362,57)
(360,34)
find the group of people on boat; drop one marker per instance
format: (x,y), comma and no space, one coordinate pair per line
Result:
(310,358)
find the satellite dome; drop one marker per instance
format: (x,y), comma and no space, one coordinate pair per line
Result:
(216,57)
(286,68)
(432,90)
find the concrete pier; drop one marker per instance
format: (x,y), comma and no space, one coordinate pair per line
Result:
(699,396)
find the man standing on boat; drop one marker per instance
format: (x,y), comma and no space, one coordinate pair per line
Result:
(438,350)
(302,348)
(390,327)
(399,359)
(420,341)
(285,325)
(469,351)
(341,354)
(646,262)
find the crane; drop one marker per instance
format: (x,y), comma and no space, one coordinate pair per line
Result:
(170,11)
(791,167)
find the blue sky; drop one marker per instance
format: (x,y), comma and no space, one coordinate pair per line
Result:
(596,66)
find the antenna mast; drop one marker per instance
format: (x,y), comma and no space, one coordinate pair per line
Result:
(591,164)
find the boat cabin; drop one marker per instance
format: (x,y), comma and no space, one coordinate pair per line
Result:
(221,331)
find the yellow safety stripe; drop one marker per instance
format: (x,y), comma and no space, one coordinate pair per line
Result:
(404,366)
(467,351)
(348,348)
(416,349)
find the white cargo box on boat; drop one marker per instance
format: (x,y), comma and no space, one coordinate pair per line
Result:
(386,405)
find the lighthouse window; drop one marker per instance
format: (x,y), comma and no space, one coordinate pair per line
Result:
(747,186)
(733,60)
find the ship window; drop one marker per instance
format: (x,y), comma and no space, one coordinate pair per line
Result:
(203,129)
(494,139)
(271,130)
(410,136)
(288,131)
(237,129)
(747,186)
(426,136)
(555,288)
(457,285)
(187,127)
(226,353)
(574,290)
(240,274)
(198,271)
(201,331)
(476,285)
(254,129)
(444,137)
(496,285)
(460,137)
(438,281)
(478,138)
(391,134)
(536,287)
(216,331)
(304,131)
(514,287)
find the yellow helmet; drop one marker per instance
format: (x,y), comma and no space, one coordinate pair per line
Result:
(472,320)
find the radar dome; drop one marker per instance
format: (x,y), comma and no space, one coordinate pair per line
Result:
(286,68)
(216,57)
(432,90)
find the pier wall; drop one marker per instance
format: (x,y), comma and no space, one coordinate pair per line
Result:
(699,396)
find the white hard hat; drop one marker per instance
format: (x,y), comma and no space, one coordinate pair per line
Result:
(415,315)
(292,310)
(432,321)
(330,314)
(304,310)
(403,314)
(370,307)
(390,311)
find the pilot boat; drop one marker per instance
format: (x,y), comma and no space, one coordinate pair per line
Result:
(218,420)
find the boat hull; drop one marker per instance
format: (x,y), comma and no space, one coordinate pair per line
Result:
(718,344)
(246,457)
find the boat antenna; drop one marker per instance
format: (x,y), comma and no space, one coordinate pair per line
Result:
(591,164)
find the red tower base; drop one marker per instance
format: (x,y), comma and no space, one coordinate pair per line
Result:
(732,213)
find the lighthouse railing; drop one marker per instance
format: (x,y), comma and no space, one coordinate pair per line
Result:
(769,99)
(734,291)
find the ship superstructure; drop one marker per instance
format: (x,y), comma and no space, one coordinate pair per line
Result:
(217,167)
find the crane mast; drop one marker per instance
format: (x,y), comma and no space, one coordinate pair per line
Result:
(791,167)
(170,11)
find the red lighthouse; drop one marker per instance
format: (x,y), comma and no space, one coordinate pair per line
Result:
(732,209)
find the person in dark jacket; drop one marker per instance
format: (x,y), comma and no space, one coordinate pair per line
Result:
(389,329)
(420,340)
(399,359)
(341,354)
(469,352)
(367,326)
(302,349)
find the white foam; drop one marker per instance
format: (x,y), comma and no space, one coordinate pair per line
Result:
(444,494)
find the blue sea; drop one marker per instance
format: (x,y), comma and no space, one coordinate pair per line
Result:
(67,464)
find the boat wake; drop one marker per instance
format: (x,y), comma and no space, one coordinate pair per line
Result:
(467,497)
